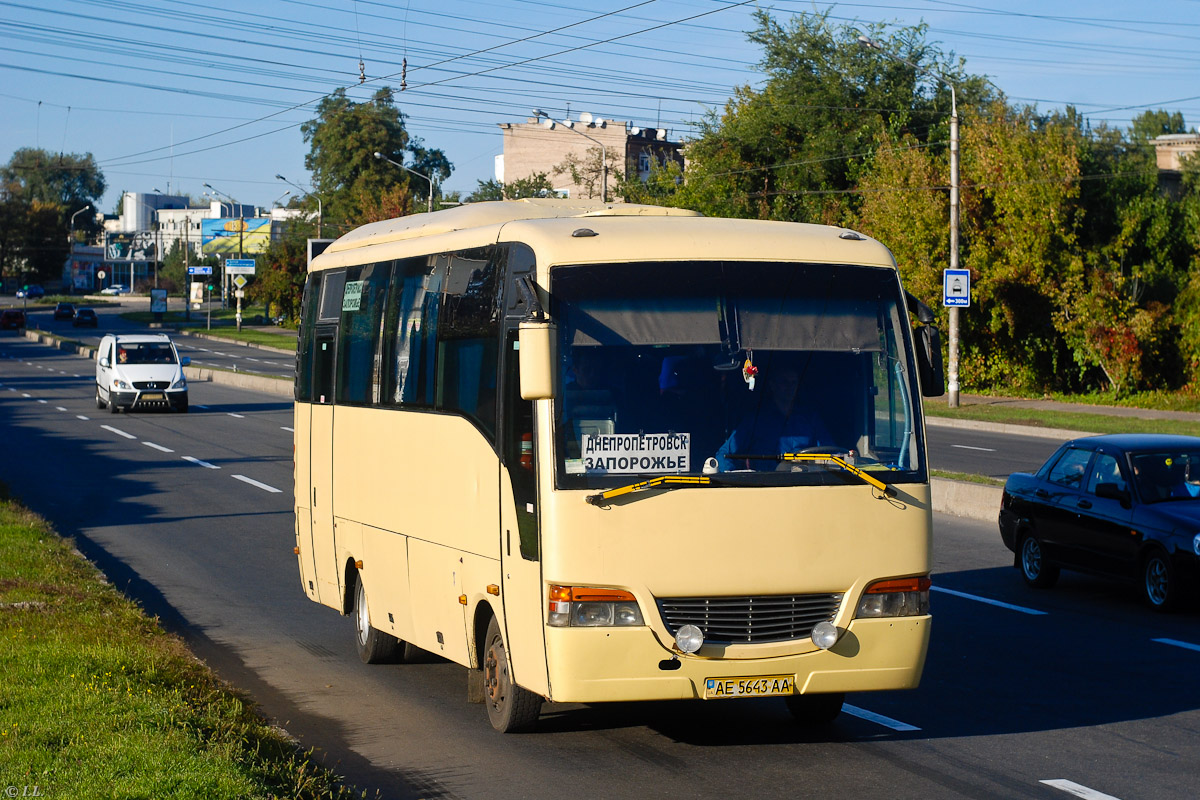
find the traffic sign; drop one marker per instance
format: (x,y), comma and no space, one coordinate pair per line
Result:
(239,266)
(240,281)
(199,270)
(956,287)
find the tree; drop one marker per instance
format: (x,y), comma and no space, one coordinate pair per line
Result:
(281,272)
(1150,124)
(39,193)
(536,185)
(587,172)
(344,138)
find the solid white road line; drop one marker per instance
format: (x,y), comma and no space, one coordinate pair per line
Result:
(979,599)
(878,719)
(198,462)
(158,447)
(968,447)
(1079,790)
(118,431)
(262,486)
(1177,643)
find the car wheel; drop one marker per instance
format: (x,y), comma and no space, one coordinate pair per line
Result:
(510,708)
(374,646)
(1158,581)
(112,404)
(815,709)
(99,400)
(1036,571)
(183,406)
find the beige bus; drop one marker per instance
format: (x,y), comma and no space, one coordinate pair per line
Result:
(617,452)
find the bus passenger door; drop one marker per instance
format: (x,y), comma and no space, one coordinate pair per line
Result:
(321,467)
(520,535)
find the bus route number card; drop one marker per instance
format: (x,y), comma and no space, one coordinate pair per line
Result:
(635,453)
(761,686)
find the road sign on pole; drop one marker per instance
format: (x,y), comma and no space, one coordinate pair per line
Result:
(956,287)
(199,270)
(240,281)
(239,266)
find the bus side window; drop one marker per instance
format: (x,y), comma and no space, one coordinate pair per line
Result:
(519,451)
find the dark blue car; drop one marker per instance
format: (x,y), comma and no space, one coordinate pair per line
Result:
(1124,505)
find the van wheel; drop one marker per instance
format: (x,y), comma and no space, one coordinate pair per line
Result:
(374,646)
(99,401)
(510,708)
(112,405)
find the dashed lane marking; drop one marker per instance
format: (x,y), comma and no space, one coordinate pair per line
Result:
(118,431)
(989,601)
(158,447)
(262,486)
(1078,789)
(198,462)
(878,719)
(1177,643)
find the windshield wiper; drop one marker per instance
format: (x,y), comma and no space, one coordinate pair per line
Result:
(823,458)
(665,481)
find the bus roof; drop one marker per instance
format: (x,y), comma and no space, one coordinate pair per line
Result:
(621,233)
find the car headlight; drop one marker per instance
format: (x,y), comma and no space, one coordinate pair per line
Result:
(119,384)
(585,607)
(180,384)
(896,597)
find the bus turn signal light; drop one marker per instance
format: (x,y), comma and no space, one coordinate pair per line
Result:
(587,607)
(896,597)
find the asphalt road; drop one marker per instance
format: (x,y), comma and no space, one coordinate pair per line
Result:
(191,515)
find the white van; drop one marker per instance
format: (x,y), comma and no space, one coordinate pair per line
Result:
(140,371)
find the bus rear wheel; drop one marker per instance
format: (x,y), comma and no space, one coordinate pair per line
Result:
(815,709)
(374,646)
(510,708)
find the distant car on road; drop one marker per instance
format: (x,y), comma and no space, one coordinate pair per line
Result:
(31,292)
(116,288)
(64,311)
(85,318)
(138,372)
(1123,505)
(12,319)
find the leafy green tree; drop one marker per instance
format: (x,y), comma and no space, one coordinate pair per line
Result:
(536,185)
(343,140)
(586,172)
(280,274)
(1150,124)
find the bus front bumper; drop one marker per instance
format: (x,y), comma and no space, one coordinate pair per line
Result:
(591,665)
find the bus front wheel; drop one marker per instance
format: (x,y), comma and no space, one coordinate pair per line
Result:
(510,708)
(815,709)
(374,646)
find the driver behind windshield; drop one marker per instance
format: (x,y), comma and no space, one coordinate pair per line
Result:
(778,421)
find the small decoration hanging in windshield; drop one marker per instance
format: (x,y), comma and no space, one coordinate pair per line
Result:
(749,370)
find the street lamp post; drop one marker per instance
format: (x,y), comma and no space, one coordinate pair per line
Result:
(71,244)
(549,123)
(382,157)
(952,388)
(241,233)
(306,191)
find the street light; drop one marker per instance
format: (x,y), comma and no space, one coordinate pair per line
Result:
(241,234)
(285,194)
(382,157)
(306,191)
(952,388)
(549,123)
(71,242)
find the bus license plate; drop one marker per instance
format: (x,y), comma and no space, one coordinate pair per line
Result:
(758,686)
(153,396)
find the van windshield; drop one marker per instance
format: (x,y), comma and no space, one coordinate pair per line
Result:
(145,353)
(668,367)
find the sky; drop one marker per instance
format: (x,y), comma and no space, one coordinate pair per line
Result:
(172,94)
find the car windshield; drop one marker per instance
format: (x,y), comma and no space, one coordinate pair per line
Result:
(145,353)
(723,367)
(1167,475)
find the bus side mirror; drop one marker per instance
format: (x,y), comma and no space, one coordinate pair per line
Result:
(929,361)
(537,359)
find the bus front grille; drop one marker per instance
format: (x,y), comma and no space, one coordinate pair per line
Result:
(750,620)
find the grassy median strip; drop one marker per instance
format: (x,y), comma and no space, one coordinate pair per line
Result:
(97,701)
(1067,420)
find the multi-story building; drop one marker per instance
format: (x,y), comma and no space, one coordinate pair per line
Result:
(542,144)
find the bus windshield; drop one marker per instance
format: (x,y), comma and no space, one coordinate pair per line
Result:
(723,368)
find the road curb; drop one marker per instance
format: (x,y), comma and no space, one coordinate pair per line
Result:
(243,380)
(1061,434)
(965,499)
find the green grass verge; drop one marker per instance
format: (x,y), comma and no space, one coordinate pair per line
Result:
(1069,420)
(248,335)
(97,701)
(965,476)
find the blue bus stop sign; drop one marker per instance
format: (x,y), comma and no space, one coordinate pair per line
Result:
(956,287)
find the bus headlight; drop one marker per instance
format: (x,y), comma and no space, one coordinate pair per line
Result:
(585,607)
(897,597)
(689,638)
(825,635)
